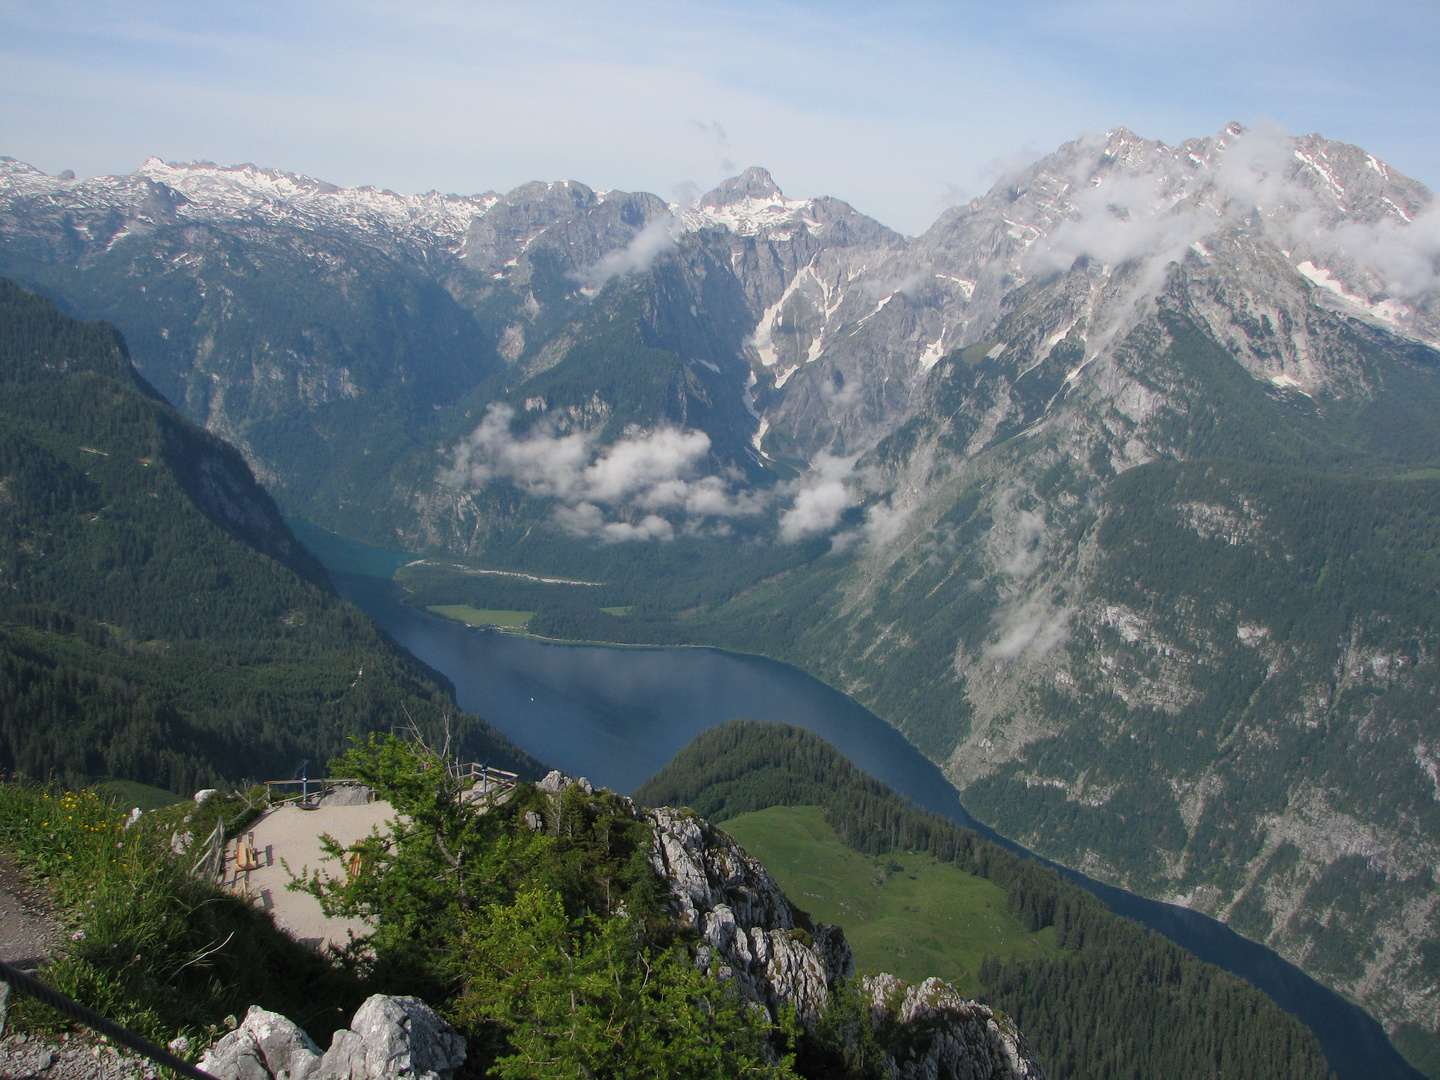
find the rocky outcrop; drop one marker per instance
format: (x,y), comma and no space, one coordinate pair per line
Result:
(390,1038)
(931,1032)
(749,930)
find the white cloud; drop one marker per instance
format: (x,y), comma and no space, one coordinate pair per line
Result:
(1031,627)
(637,477)
(883,523)
(1028,535)
(656,238)
(1400,259)
(821,496)
(588,521)
(1149,222)
(541,463)
(620,492)
(1017,539)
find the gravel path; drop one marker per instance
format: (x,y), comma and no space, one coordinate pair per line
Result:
(28,927)
(68,1057)
(29,931)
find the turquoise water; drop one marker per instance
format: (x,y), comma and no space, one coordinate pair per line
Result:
(617,715)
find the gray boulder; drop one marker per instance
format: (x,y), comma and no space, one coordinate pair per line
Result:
(266,1046)
(390,1038)
(348,795)
(394,1038)
(931,1032)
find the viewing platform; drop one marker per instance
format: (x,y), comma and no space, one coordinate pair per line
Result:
(285,841)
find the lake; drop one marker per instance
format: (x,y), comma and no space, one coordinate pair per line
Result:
(618,714)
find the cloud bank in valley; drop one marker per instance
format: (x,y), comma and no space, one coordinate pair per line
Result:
(650,486)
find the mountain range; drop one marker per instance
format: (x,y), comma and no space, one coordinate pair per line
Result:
(1115,490)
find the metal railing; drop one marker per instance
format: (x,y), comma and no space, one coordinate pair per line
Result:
(33,987)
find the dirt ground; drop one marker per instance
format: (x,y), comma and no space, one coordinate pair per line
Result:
(28,927)
(68,1057)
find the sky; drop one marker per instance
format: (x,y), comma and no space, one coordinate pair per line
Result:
(901,109)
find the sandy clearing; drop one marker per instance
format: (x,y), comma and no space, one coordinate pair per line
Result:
(289,836)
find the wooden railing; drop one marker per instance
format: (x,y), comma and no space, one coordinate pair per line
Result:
(479,782)
(309,790)
(482,782)
(211,863)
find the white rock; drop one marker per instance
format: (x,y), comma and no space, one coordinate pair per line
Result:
(393,1038)
(266,1046)
(749,931)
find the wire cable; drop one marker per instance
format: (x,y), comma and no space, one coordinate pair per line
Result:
(27,984)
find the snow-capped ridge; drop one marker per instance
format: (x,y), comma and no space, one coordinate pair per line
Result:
(202,191)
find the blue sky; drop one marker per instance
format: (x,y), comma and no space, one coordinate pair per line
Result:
(899,108)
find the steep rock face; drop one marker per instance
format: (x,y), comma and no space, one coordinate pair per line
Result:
(823,324)
(930,1032)
(1123,570)
(749,929)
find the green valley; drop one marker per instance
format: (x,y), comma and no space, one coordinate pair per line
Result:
(1085,969)
(903,912)
(470,616)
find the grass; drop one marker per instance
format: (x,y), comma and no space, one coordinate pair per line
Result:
(904,913)
(510,620)
(129,793)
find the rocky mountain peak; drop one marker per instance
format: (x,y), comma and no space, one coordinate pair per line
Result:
(753,183)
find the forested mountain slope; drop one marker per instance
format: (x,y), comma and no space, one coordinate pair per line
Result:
(1206,673)
(158,621)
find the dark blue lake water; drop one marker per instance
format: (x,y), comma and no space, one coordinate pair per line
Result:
(617,715)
